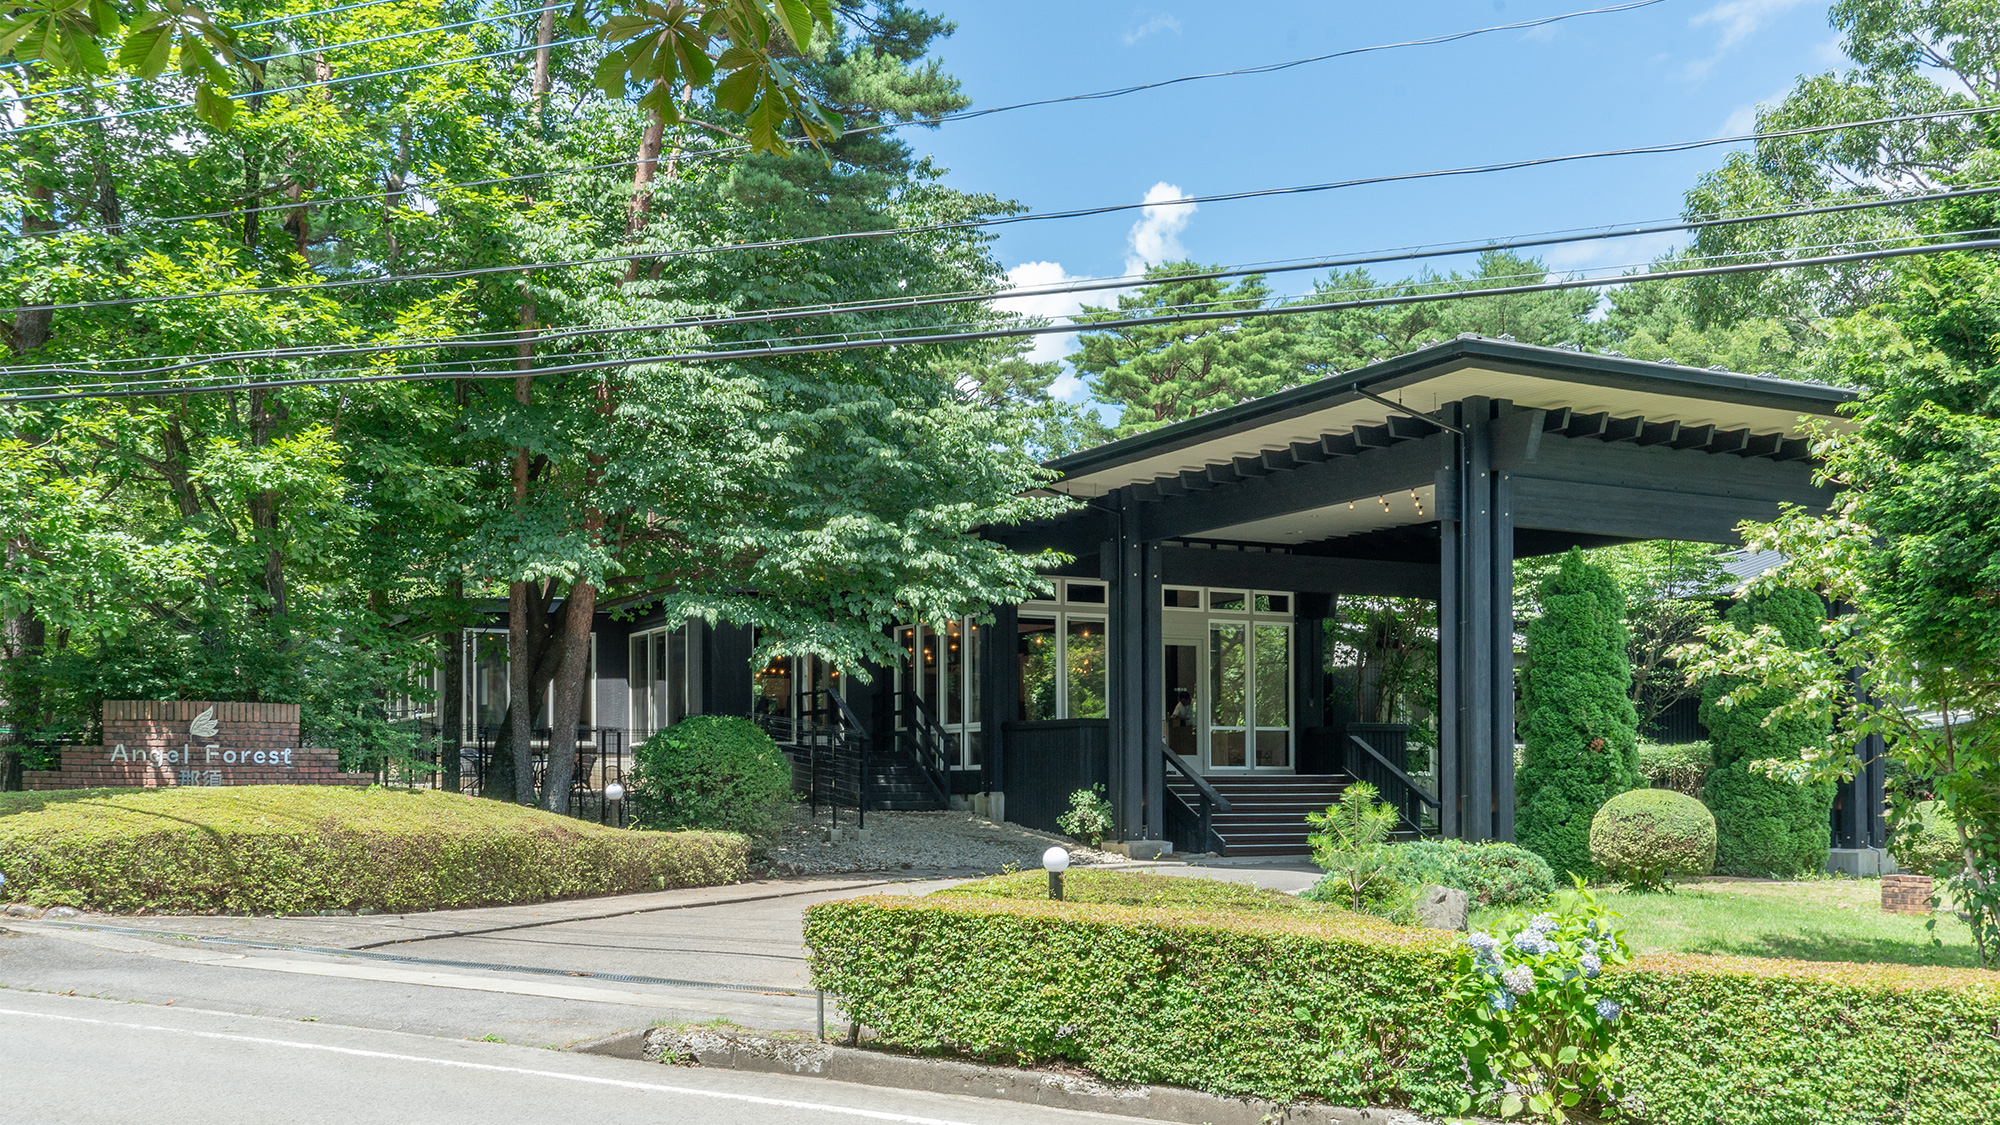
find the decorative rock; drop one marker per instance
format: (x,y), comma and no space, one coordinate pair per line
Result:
(1443,908)
(22,910)
(56,912)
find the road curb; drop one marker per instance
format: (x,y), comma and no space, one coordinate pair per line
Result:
(809,1058)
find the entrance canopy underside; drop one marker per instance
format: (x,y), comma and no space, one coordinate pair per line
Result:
(1595,449)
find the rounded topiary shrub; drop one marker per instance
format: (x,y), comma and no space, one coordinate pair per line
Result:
(1648,836)
(1489,874)
(1926,842)
(711,771)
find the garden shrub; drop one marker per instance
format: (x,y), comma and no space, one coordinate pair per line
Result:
(1490,874)
(283,849)
(1577,722)
(1341,1007)
(1926,842)
(1679,766)
(711,771)
(1089,818)
(1137,888)
(1766,826)
(1741,1041)
(1347,844)
(1648,836)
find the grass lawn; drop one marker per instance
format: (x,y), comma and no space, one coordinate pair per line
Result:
(1814,920)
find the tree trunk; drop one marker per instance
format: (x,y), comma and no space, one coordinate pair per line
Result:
(264,509)
(572,679)
(31,325)
(520,687)
(253,169)
(451,696)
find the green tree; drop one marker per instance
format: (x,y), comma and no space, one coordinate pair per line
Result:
(1577,723)
(1766,825)
(1165,373)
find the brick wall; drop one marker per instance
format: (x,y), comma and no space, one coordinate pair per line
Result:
(1906,894)
(151,744)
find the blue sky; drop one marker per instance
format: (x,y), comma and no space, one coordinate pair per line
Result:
(1679,70)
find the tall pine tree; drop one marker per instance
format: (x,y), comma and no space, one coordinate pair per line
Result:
(1578,723)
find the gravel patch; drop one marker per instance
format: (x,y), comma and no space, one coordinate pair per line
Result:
(957,842)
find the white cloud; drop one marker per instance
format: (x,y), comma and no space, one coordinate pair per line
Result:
(1156,236)
(1154,26)
(1054,345)
(1738,20)
(1743,119)
(1637,250)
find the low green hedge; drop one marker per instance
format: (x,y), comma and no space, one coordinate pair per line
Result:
(1137,888)
(1289,1006)
(1742,1041)
(280,849)
(1335,1006)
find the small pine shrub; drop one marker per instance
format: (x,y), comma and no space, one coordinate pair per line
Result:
(1490,874)
(1926,842)
(1648,836)
(1347,844)
(1089,818)
(711,771)
(1577,719)
(1766,826)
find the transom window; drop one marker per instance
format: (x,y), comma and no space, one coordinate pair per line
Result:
(1062,654)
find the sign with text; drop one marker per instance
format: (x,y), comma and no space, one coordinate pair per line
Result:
(158,743)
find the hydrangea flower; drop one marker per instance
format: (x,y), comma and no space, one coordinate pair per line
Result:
(1520,980)
(1501,1001)
(1586,944)
(1608,1010)
(1592,965)
(1483,944)
(1543,924)
(1532,943)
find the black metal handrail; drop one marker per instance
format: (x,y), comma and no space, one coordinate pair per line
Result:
(831,736)
(1212,801)
(1397,787)
(932,741)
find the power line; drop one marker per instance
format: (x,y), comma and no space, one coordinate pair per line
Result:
(962,115)
(1022,331)
(510,337)
(1009,220)
(343,45)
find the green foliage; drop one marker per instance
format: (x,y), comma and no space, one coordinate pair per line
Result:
(1090,816)
(1736,1041)
(715,772)
(288,849)
(1679,766)
(1134,888)
(1491,874)
(1172,372)
(1539,1033)
(1926,842)
(1766,825)
(1646,837)
(1577,723)
(1275,1005)
(1347,842)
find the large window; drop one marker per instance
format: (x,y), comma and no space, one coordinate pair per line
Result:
(661,678)
(1063,654)
(1236,708)
(942,667)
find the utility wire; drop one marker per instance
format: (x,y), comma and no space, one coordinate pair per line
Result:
(1009,220)
(968,114)
(512,337)
(1022,331)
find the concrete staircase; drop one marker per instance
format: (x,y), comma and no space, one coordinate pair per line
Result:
(1267,815)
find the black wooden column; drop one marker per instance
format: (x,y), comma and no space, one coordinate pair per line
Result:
(1476,632)
(1133,570)
(999,692)
(1309,664)
(1858,813)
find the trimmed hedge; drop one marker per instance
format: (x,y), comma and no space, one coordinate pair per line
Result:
(1353,1010)
(1645,837)
(1340,1007)
(715,772)
(1743,1041)
(282,849)
(1491,874)
(1137,888)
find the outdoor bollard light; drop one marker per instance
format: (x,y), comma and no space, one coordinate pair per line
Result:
(1056,861)
(614,792)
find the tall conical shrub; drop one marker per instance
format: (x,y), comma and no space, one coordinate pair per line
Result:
(1577,723)
(1764,826)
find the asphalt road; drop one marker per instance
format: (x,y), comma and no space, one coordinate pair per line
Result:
(77,1059)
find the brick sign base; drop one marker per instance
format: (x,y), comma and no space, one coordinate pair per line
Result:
(1906,894)
(161,743)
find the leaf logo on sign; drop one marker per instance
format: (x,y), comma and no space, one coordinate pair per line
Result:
(203,725)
